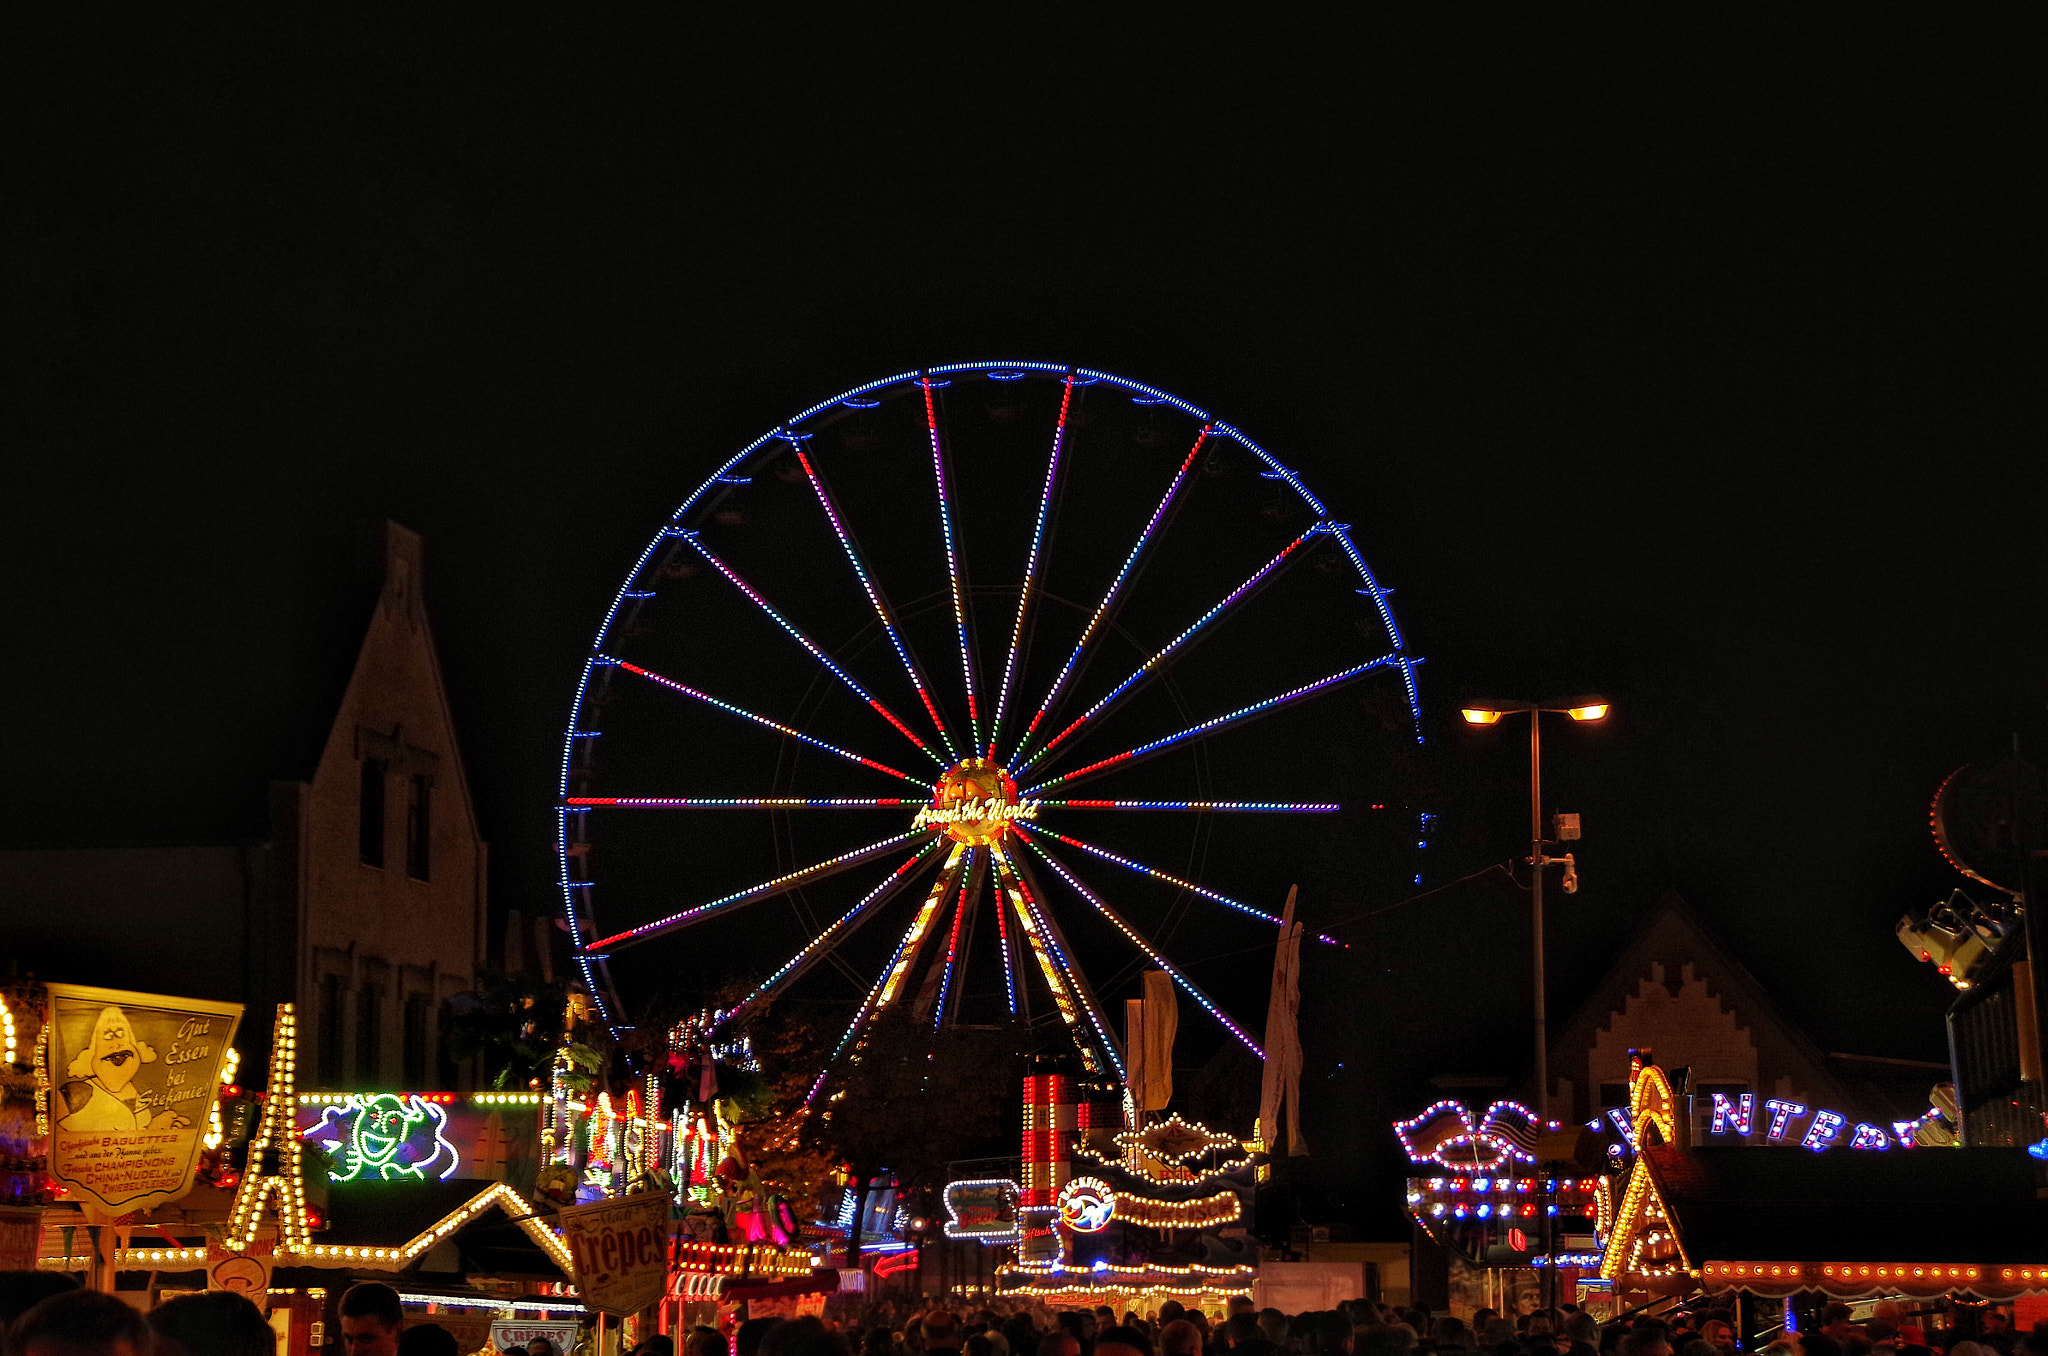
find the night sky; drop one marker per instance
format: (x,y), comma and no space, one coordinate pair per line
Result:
(1696,366)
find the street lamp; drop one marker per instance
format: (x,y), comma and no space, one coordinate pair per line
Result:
(1490,713)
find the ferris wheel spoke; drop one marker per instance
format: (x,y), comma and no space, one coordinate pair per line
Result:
(1052,468)
(775,725)
(867,584)
(1201,806)
(931,421)
(732,576)
(1106,855)
(885,988)
(960,936)
(1215,723)
(1151,665)
(1137,939)
(816,871)
(1114,592)
(1070,992)
(696,803)
(844,927)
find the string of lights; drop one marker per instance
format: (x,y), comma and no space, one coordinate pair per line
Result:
(1106,855)
(817,946)
(1216,722)
(874,596)
(1110,595)
(1070,991)
(1138,940)
(774,725)
(1152,664)
(831,666)
(1052,467)
(754,892)
(931,422)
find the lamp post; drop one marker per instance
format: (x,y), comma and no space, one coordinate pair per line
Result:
(1490,713)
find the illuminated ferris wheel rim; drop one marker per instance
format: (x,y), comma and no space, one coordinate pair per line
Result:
(975,809)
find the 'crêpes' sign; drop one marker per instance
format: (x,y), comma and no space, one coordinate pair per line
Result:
(133,1077)
(619,1251)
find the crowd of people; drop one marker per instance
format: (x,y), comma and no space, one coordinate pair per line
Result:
(49,1314)
(1357,1328)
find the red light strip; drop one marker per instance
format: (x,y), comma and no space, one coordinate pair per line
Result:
(875,598)
(800,638)
(774,725)
(1218,722)
(1137,939)
(1116,585)
(1149,665)
(795,966)
(829,866)
(694,803)
(1052,467)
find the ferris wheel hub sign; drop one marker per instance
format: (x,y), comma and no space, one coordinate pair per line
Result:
(974,803)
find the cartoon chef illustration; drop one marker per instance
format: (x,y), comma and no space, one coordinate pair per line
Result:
(102,1093)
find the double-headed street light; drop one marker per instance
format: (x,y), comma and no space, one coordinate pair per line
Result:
(1490,713)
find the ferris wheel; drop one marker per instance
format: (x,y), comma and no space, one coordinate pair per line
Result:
(979,648)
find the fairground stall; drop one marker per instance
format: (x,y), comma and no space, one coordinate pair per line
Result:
(1767,1208)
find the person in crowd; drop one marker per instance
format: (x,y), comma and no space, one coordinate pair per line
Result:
(942,1330)
(1582,1334)
(878,1342)
(1020,1334)
(21,1291)
(805,1336)
(1818,1343)
(371,1320)
(214,1323)
(1121,1340)
(1059,1342)
(539,1346)
(1244,1338)
(1178,1337)
(703,1341)
(1326,1333)
(746,1339)
(418,1339)
(79,1323)
(1274,1327)
(660,1344)
(1647,1339)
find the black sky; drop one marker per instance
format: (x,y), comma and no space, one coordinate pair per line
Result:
(1697,363)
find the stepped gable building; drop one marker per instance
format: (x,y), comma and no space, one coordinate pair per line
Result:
(363,904)
(1678,991)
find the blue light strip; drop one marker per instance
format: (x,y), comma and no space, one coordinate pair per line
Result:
(576,945)
(1052,468)
(931,420)
(867,585)
(801,961)
(1059,968)
(953,941)
(883,989)
(1003,936)
(1137,939)
(691,803)
(1144,870)
(775,725)
(800,638)
(1151,664)
(787,881)
(1248,806)
(1217,722)
(1109,598)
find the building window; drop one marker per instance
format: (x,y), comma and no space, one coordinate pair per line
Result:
(369,1033)
(419,826)
(419,1027)
(330,1031)
(370,813)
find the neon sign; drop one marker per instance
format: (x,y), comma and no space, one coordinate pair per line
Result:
(385,1135)
(975,803)
(1737,1115)
(1086,1205)
(985,1209)
(1448,1135)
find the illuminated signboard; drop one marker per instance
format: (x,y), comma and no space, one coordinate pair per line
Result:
(1741,1115)
(387,1135)
(984,1210)
(1086,1204)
